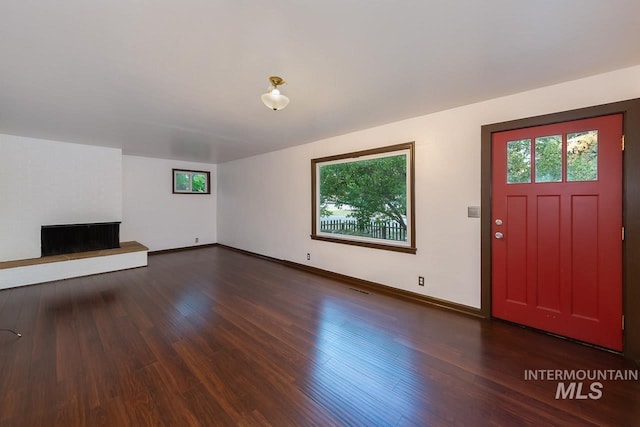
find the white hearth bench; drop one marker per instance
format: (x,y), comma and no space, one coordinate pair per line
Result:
(46,269)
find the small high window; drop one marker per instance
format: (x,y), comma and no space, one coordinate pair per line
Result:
(191,182)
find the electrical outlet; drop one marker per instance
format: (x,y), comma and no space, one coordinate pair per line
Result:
(197,239)
(420,281)
(308,256)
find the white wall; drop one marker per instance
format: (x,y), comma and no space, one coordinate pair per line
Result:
(264,202)
(47,182)
(155,217)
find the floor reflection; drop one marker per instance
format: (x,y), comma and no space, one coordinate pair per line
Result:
(191,302)
(359,364)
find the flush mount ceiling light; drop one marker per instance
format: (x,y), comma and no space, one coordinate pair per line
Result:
(273,98)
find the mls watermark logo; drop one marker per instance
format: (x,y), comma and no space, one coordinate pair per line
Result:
(573,390)
(580,384)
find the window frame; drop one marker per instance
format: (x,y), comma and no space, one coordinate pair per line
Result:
(407,247)
(191,173)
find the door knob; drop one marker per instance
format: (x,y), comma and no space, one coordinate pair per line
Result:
(498,221)
(499,235)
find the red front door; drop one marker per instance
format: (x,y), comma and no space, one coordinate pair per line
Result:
(557,228)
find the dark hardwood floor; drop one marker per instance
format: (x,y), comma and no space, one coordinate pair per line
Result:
(213,337)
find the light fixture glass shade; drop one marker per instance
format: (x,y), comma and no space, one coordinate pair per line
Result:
(274,99)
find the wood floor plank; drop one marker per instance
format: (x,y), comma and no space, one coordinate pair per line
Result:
(213,337)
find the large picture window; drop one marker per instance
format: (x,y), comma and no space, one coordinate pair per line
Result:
(365,198)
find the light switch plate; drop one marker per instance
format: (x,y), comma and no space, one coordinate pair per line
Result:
(473,211)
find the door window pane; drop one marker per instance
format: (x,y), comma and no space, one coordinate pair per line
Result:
(519,161)
(582,156)
(549,158)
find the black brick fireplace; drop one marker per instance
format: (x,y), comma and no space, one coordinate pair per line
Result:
(73,238)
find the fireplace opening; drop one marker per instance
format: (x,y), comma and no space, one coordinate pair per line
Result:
(73,238)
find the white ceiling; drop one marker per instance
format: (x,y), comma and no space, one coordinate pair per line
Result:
(182,79)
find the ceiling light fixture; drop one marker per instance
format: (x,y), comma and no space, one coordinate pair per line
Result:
(273,98)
